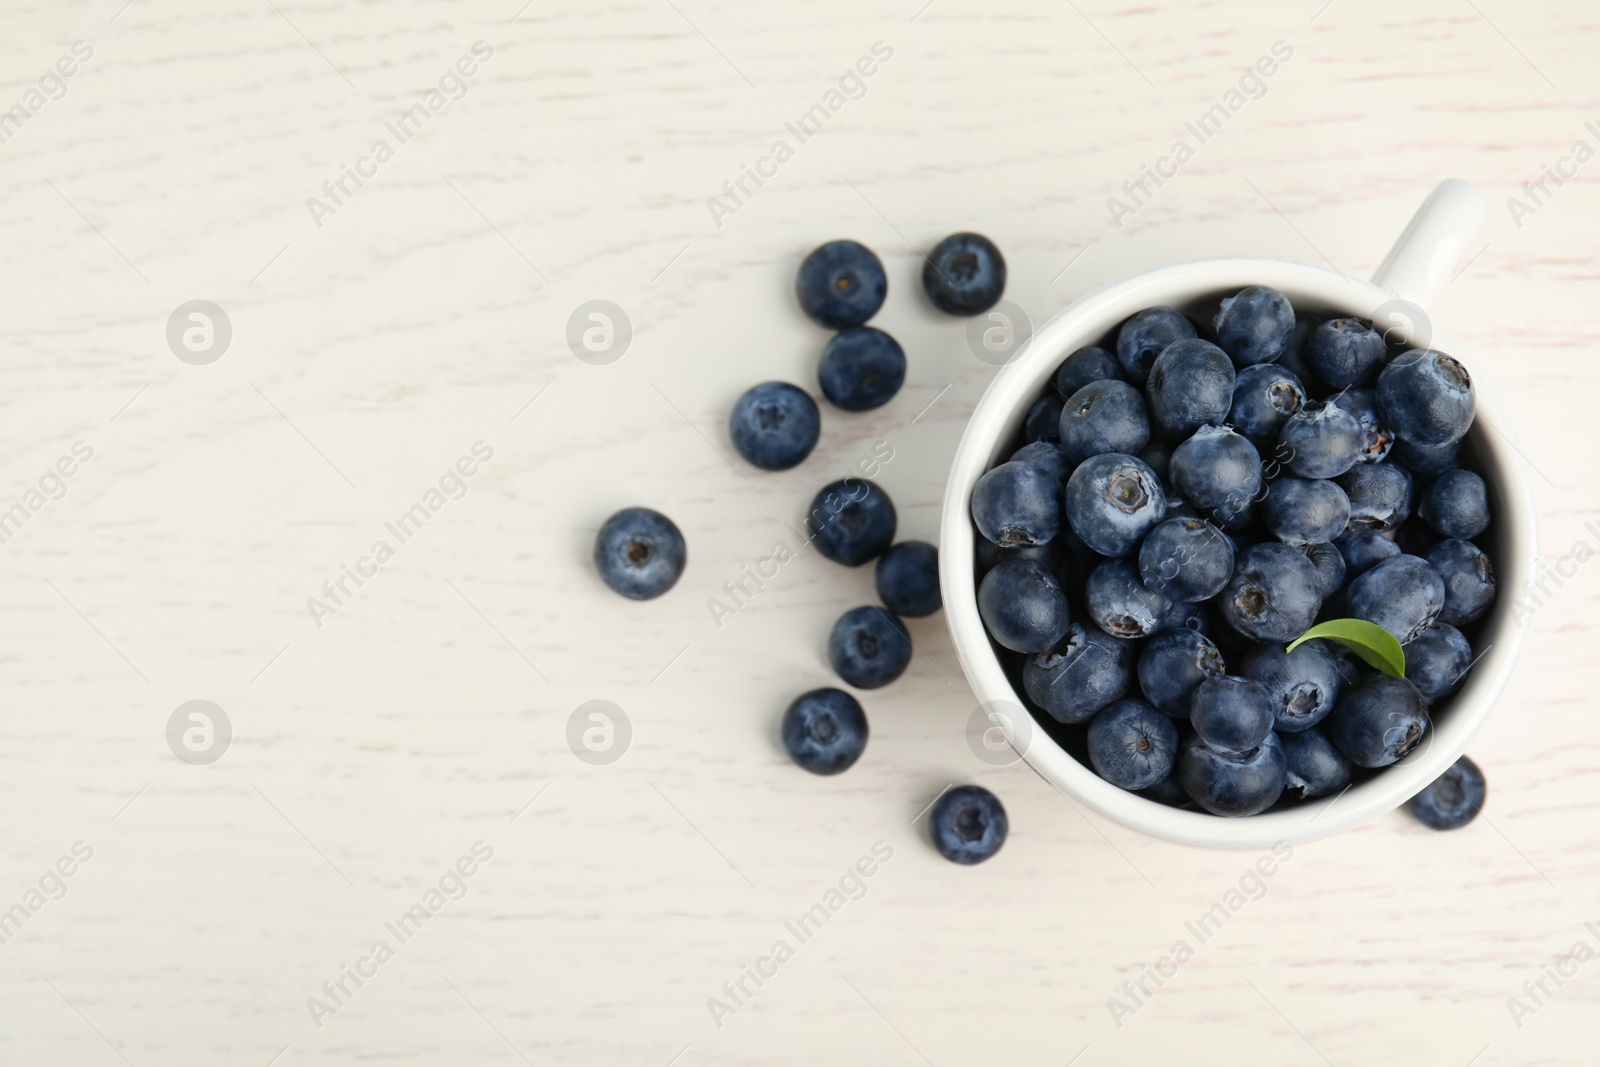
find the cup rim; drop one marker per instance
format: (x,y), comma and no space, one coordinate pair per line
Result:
(995,419)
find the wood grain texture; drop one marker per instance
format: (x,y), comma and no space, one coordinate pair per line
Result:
(425,314)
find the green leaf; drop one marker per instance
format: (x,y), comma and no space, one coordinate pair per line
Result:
(1366,639)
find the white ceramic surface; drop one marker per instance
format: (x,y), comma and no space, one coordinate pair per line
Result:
(1420,262)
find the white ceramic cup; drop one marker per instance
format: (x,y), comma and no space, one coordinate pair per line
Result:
(1416,268)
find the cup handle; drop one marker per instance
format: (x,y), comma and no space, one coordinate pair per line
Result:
(1420,262)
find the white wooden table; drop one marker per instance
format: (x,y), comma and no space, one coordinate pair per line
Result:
(377,338)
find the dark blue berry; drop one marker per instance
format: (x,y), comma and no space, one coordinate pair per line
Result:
(1264,396)
(1022,606)
(639,553)
(1132,745)
(1274,594)
(1469,585)
(1046,455)
(1186,559)
(1378,720)
(1305,511)
(1425,461)
(1233,783)
(851,521)
(1426,397)
(1217,471)
(1321,442)
(1017,504)
(1104,416)
(1112,501)
(1119,603)
(1078,675)
(1316,769)
(1437,660)
(1255,326)
(964,274)
(1329,562)
(841,284)
(1456,505)
(1144,335)
(1044,419)
(1047,555)
(1363,550)
(1230,713)
(1190,386)
(861,368)
(1086,365)
(1376,438)
(1453,799)
(1380,495)
(968,824)
(825,731)
(907,577)
(1293,359)
(869,647)
(1304,684)
(1402,595)
(1169,792)
(1345,352)
(1172,663)
(775,425)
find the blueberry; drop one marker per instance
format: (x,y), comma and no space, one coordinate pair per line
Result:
(1103,416)
(1264,396)
(1274,594)
(1255,326)
(968,824)
(1305,511)
(1402,595)
(1321,442)
(1169,792)
(1233,783)
(1427,397)
(1380,495)
(1415,537)
(1158,457)
(1218,470)
(1329,563)
(1172,663)
(1293,359)
(1378,720)
(1047,555)
(851,521)
(1316,769)
(1437,660)
(1044,419)
(1120,604)
(1078,675)
(1453,799)
(1112,501)
(908,579)
(825,731)
(1132,745)
(1345,352)
(869,647)
(1190,386)
(639,553)
(1022,606)
(964,274)
(1469,585)
(1017,504)
(1186,559)
(775,425)
(1144,335)
(1376,438)
(1230,713)
(1425,461)
(1456,505)
(862,368)
(1363,550)
(1086,365)
(841,284)
(1047,456)
(1304,684)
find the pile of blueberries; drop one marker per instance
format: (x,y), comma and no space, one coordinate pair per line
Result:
(1192,497)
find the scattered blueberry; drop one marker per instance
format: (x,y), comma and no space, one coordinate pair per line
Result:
(1437,660)
(1044,419)
(1345,352)
(1453,799)
(1233,783)
(1171,664)
(1456,505)
(1144,335)
(851,521)
(1469,585)
(1120,604)
(1186,559)
(869,647)
(1104,416)
(1190,386)
(1132,745)
(1078,675)
(862,368)
(1017,504)
(1230,713)
(908,579)
(1304,684)
(1363,550)
(841,284)
(1112,501)
(1264,396)
(639,553)
(825,731)
(1217,469)
(968,824)
(1316,769)
(1086,365)
(1254,326)
(775,425)
(1402,595)
(1427,397)
(1274,593)
(1329,562)
(1304,511)
(1378,720)
(1022,606)
(1321,442)
(1380,495)
(964,274)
